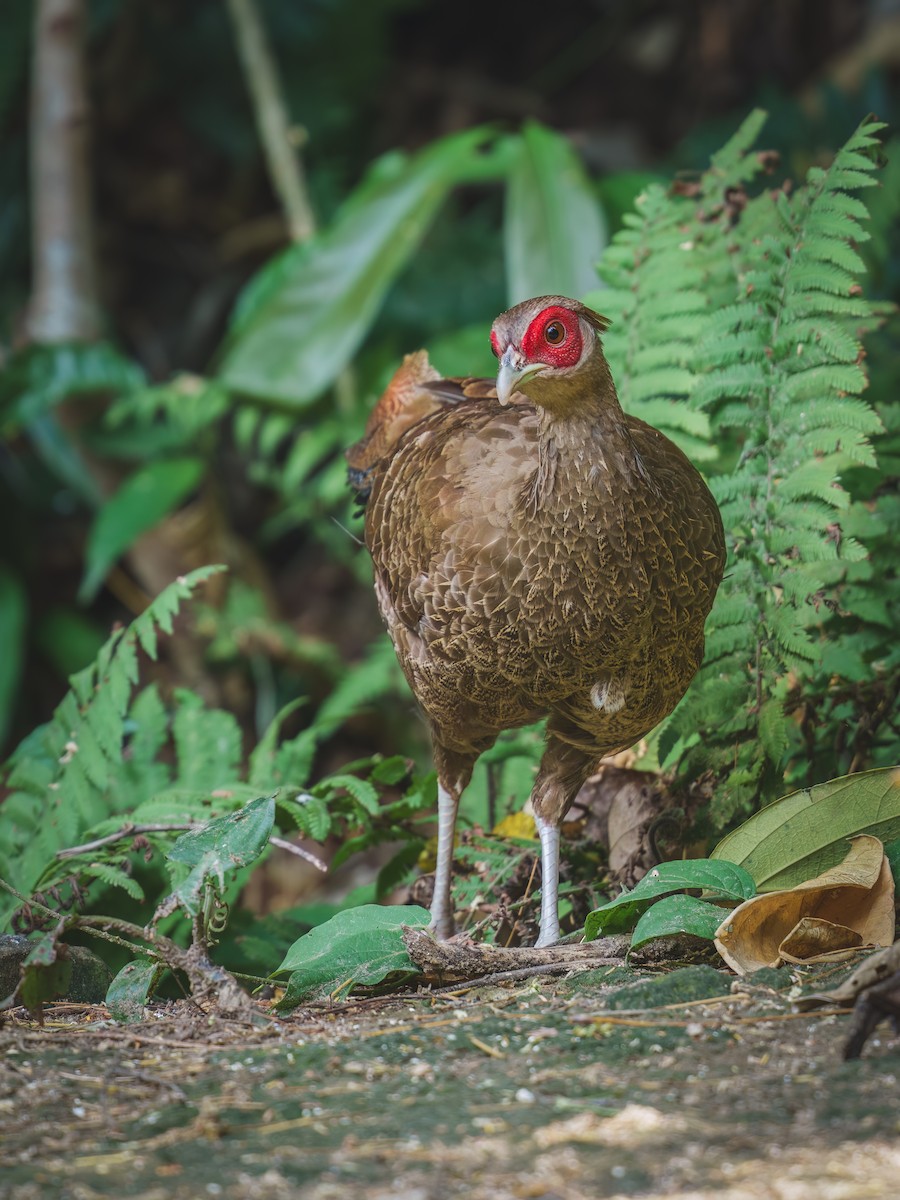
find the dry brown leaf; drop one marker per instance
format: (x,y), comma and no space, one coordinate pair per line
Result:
(812,938)
(823,919)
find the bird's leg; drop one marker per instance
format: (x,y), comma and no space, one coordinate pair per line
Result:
(567,762)
(454,770)
(549,835)
(441,906)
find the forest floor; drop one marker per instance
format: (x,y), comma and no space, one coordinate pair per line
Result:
(548,1090)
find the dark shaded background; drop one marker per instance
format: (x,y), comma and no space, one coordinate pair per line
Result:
(186,215)
(184,206)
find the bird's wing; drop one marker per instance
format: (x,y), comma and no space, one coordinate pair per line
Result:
(687,528)
(443,523)
(415,391)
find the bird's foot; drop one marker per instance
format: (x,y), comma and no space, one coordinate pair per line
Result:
(443,928)
(550,940)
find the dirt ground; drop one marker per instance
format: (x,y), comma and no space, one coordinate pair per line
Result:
(548,1090)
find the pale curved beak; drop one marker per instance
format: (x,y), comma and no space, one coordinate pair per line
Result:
(513,372)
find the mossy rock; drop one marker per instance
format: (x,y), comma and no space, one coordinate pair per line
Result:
(775,979)
(88,982)
(602,979)
(687,983)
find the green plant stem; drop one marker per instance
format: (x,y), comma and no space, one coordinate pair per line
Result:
(207,980)
(264,83)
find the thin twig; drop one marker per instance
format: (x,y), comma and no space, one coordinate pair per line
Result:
(283,844)
(128,831)
(261,72)
(125,832)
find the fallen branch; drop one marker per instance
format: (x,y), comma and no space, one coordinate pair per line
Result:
(209,983)
(450,961)
(505,977)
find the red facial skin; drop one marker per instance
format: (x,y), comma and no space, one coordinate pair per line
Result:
(561,351)
(495,344)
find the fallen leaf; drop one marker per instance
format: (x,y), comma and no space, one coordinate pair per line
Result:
(517,825)
(842,910)
(814,939)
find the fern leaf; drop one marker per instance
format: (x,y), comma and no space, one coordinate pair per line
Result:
(363,792)
(207,743)
(115,877)
(778,367)
(311,815)
(71,764)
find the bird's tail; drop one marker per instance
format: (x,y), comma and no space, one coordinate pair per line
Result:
(406,400)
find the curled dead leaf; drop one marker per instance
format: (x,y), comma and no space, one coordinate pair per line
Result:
(842,910)
(813,939)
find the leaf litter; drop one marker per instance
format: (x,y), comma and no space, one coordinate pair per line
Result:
(534,1089)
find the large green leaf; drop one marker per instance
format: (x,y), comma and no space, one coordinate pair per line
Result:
(554,230)
(719,880)
(677,915)
(219,847)
(801,835)
(314,312)
(358,946)
(139,504)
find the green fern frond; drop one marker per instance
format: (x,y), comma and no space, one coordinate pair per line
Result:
(115,877)
(735,163)
(656,301)
(775,361)
(364,793)
(207,742)
(311,814)
(67,767)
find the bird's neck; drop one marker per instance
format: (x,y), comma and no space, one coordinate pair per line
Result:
(587,396)
(581,409)
(584,440)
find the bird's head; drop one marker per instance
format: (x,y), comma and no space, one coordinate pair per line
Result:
(549,349)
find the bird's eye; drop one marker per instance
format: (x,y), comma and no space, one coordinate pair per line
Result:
(555,333)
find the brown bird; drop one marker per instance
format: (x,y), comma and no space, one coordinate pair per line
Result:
(537,553)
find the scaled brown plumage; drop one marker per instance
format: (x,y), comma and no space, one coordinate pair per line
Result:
(537,553)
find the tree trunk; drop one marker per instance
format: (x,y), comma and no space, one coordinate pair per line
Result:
(64,303)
